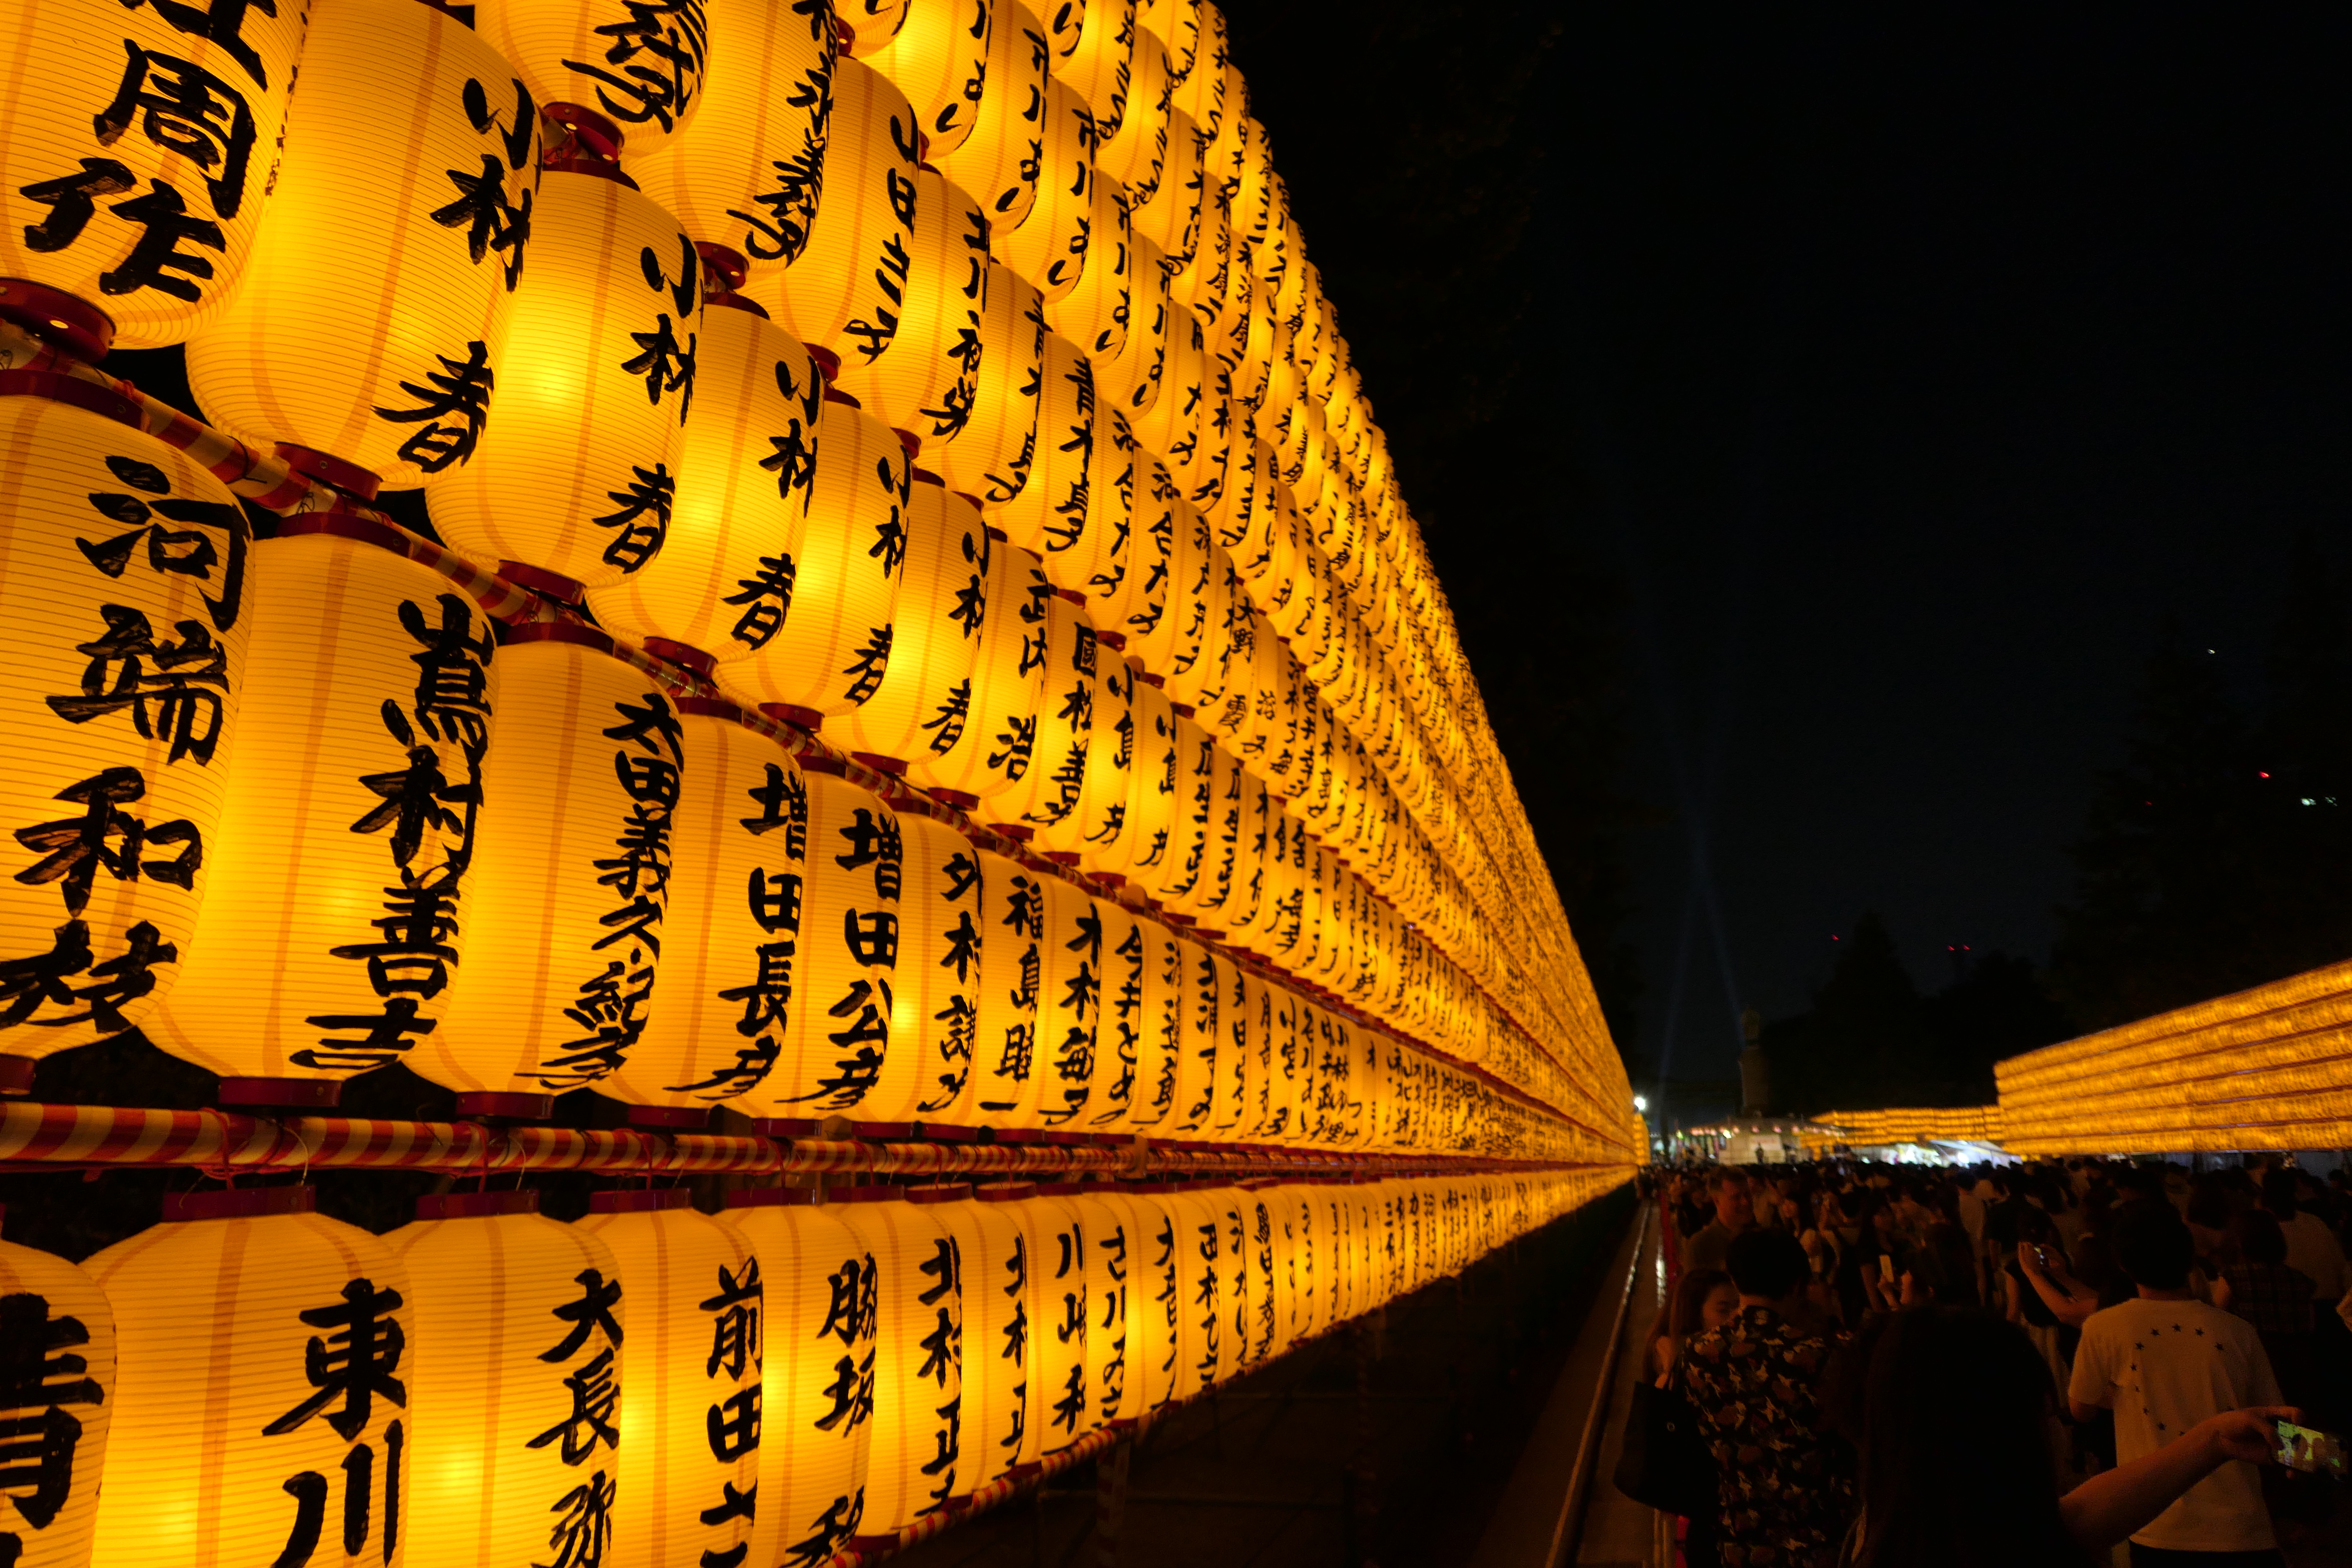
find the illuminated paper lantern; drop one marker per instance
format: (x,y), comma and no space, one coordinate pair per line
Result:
(834,646)
(1049,248)
(373,686)
(938,58)
(997,1294)
(127,606)
(917,1450)
(1178,873)
(1061,1402)
(1100,65)
(1155,1294)
(837,1041)
(847,288)
(1205,983)
(739,826)
(1160,1037)
(566,916)
(264,1361)
(1243,1065)
(935,1014)
(1167,214)
(1061,731)
(1176,24)
(1094,315)
(725,577)
(1094,833)
(1171,430)
(989,459)
(1233,1208)
(927,380)
(1203,1353)
(998,162)
(924,699)
(980,749)
(821,1299)
(1048,517)
(640,66)
(1134,151)
(1173,641)
(516,1381)
(1130,382)
(169,117)
(60,1402)
(1011,961)
(1111,1308)
(1108,547)
(577,474)
(1219,841)
(746,172)
(372,318)
(1122,1016)
(690,1426)
(1151,787)
(1069,1006)
(1211,85)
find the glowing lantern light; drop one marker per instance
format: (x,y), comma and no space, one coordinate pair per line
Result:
(1231,1209)
(1121,1017)
(640,67)
(577,473)
(847,288)
(1113,1242)
(1160,1025)
(690,1424)
(1067,1066)
(1062,729)
(746,173)
(62,1332)
(1151,792)
(567,907)
(1048,517)
(837,1038)
(182,188)
(1134,151)
(1100,65)
(1209,86)
(935,1013)
(1130,382)
(1171,429)
(996,162)
(834,646)
(236,1437)
(938,58)
(375,688)
(1049,248)
(1095,314)
(734,914)
(997,1324)
(1179,873)
(977,752)
(990,457)
(917,1454)
(1011,959)
(1155,1293)
(927,381)
(1249,1036)
(1176,25)
(822,1304)
(517,1380)
(747,465)
(125,592)
(1061,1403)
(1219,839)
(924,699)
(1205,982)
(369,326)
(1203,1353)
(1094,835)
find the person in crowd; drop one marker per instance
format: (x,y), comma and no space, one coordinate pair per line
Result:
(1878,1235)
(2165,1363)
(2275,1297)
(1952,1413)
(2313,1250)
(1785,1482)
(1735,1211)
(2023,1302)
(1703,1299)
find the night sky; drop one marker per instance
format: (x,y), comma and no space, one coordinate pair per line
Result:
(1870,388)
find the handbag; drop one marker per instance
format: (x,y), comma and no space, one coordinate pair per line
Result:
(1663,1462)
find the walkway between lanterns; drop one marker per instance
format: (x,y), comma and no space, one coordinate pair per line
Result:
(1390,1442)
(1559,1508)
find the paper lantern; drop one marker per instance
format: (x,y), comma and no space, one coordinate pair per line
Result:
(1219,842)
(935,1015)
(1130,382)
(371,318)
(639,65)
(1160,1026)
(1134,151)
(265,1358)
(690,1427)
(821,1299)
(1168,214)
(1061,1401)
(1266,1316)
(724,580)
(1011,961)
(997,1291)
(1176,24)
(1244,1061)
(1122,1018)
(371,697)
(938,58)
(746,172)
(1206,984)
(1048,517)
(1202,1350)
(980,747)
(1208,88)
(58,1334)
(1172,640)
(1231,1208)
(1141,542)
(1049,247)
(1069,1006)
(847,288)
(998,162)
(835,644)
(1152,786)
(1101,822)
(1099,65)
(126,597)
(515,1382)
(916,1445)
(1062,728)
(989,459)
(566,917)
(927,380)
(1171,430)
(577,474)
(739,827)
(1178,871)
(1112,1243)
(1155,1294)
(180,124)
(936,635)
(837,1038)
(1094,315)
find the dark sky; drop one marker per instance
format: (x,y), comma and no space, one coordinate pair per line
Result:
(1894,375)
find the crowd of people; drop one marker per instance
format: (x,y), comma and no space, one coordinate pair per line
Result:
(1905,1367)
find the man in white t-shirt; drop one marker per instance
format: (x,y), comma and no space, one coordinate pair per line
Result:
(2162,1363)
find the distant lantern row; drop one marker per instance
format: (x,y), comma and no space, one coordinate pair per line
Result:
(250,1382)
(791,344)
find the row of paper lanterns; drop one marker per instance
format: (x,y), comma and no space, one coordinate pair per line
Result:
(1053,261)
(251,1382)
